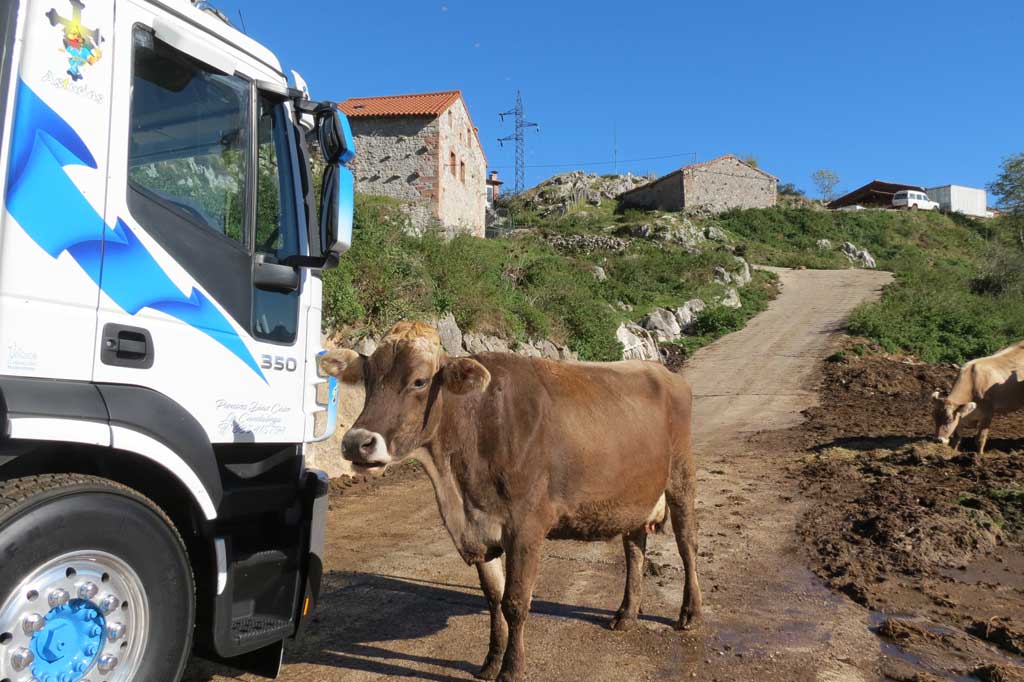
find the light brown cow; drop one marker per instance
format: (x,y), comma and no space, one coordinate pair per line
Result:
(984,388)
(522,449)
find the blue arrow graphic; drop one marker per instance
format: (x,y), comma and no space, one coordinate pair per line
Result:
(55,214)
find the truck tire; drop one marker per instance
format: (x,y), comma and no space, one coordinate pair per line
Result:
(95,584)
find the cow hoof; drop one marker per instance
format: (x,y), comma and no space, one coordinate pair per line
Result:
(489,671)
(621,623)
(686,621)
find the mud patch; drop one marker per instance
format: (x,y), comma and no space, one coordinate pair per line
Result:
(365,483)
(930,540)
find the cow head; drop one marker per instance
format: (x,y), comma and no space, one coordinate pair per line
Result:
(404,379)
(947,415)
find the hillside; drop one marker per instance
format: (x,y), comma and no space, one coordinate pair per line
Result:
(578,273)
(583,291)
(959,281)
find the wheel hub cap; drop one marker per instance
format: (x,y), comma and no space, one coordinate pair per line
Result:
(82,616)
(70,641)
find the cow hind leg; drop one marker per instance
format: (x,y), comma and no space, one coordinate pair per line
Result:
(492,580)
(682,507)
(635,545)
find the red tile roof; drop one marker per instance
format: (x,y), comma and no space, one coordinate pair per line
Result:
(425,104)
(422,104)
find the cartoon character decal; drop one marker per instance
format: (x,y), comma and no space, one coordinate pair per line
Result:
(81,44)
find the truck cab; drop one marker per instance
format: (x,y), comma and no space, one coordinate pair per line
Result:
(160,254)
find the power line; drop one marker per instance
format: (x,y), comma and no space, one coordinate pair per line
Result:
(521,124)
(608,163)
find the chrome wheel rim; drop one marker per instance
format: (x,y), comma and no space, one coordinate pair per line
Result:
(80,617)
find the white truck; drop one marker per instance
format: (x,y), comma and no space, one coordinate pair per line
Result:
(160,294)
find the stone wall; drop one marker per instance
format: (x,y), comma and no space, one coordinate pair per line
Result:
(716,186)
(664,194)
(397,156)
(727,183)
(463,173)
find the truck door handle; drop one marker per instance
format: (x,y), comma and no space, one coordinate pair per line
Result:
(126,347)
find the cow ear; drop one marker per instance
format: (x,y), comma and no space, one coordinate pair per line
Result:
(465,375)
(967,409)
(345,364)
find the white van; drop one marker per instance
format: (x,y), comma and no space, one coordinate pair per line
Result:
(911,199)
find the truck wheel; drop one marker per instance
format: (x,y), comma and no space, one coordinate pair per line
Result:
(95,584)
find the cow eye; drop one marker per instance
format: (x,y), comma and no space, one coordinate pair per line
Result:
(419,383)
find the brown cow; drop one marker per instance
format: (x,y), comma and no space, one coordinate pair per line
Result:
(984,388)
(522,449)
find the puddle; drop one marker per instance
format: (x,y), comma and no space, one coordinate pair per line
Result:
(937,657)
(1008,572)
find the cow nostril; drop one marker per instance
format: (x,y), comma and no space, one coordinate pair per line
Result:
(368,445)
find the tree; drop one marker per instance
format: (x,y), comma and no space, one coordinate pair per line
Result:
(1009,186)
(826,181)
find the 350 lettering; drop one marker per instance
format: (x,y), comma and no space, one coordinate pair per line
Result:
(278,363)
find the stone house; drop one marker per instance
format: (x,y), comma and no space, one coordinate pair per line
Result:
(715,185)
(424,149)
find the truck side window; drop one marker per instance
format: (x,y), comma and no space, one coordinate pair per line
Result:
(277,234)
(188,138)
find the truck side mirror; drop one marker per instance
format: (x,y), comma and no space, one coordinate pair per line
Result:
(336,212)
(337,196)
(335,136)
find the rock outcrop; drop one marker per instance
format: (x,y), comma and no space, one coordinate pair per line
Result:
(558,194)
(731,299)
(637,342)
(687,313)
(663,324)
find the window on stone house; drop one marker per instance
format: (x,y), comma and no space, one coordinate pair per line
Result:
(451,163)
(462,172)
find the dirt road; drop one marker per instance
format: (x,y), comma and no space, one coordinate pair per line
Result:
(398,602)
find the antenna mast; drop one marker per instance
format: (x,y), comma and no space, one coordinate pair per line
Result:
(521,124)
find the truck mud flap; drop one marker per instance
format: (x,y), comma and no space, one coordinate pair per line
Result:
(318,485)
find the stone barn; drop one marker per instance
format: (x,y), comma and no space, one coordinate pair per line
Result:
(423,149)
(715,185)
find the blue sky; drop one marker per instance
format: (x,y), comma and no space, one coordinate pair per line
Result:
(919,92)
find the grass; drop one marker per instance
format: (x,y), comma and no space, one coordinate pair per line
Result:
(520,288)
(959,282)
(719,321)
(958,291)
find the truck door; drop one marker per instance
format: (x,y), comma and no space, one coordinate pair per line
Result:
(57,96)
(201,195)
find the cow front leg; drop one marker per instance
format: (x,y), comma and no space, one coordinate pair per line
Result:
(492,580)
(954,442)
(983,428)
(522,561)
(635,545)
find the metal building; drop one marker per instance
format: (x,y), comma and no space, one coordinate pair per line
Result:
(967,200)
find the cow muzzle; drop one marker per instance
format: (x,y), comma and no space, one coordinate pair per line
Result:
(942,439)
(365,449)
